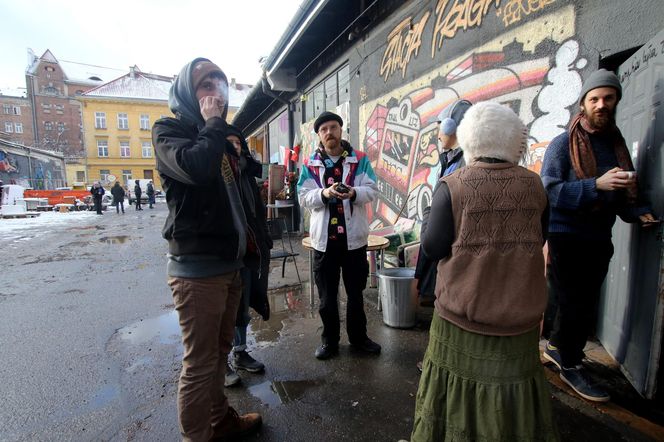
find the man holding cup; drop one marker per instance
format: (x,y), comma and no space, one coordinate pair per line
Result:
(589,177)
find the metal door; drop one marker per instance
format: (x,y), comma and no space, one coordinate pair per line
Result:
(632,305)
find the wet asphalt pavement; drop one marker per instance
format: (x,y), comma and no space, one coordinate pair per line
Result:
(91,348)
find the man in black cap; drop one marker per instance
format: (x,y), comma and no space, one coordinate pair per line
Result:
(336,184)
(589,177)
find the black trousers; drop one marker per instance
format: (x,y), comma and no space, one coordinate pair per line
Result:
(354,268)
(575,274)
(97,202)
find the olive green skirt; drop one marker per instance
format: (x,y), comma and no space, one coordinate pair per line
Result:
(482,388)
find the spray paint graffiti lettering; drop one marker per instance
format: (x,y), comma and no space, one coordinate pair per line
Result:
(401,137)
(463,14)
(514,10)
(401,47)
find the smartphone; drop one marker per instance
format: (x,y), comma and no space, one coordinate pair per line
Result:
(342,188)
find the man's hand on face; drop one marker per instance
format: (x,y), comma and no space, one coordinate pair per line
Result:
(211,107)
(615,179)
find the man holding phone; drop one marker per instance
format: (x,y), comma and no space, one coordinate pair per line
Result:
(589,177)
(336,184)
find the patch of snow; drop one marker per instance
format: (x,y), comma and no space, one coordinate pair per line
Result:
(25,229)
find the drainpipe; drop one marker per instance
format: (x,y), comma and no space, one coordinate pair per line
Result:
(291,132)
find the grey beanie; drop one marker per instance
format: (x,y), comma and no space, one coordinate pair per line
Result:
(601,78)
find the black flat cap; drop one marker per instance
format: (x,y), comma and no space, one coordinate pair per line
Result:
(327,116)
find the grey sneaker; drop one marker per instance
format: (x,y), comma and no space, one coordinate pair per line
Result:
(232,378)
(243,361)
(578,379)
(552,354)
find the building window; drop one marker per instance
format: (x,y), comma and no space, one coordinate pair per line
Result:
(344,84)
(80,176)
(146,148)
(124,149)
(17,110)
(100,120)
(145,122)
(9,127)
(18,128)
(7,109)
(59,109)
(328,94)
(61,127)
(102,148)
(103,175)
(48,125)
(147,174)
(123,121)
(278,136)
(126,176)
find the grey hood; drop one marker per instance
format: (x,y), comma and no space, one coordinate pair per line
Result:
(182,97)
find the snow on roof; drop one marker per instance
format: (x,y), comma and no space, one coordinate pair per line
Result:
(9,91)
(237,93)
(135,84)
(76,72)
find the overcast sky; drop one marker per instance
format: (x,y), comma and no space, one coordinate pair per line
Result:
(159,36)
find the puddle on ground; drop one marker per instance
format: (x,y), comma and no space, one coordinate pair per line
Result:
(276,393)
(120,239)
(104,396)
(75,244)
(285,304)
(165,327)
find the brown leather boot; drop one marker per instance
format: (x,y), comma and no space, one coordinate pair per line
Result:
(233,425)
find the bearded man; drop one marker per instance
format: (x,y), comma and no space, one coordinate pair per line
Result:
(336,184)
(589,177)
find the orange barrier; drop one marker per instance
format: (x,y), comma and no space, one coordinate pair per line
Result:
(57,196)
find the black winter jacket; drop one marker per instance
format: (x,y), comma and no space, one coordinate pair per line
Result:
(189,163)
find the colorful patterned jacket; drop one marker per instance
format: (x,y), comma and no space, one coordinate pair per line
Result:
(358,174)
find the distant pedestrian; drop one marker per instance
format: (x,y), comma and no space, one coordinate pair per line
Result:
(482,379)
(138,192)
(97,192)
(150,192)
(118,197)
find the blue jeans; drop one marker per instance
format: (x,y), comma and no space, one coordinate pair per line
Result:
(243,317)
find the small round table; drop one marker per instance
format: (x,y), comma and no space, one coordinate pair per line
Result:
(375,243)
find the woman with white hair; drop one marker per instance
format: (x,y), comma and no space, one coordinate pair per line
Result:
(482,378)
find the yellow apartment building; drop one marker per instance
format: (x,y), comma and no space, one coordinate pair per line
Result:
(117,129)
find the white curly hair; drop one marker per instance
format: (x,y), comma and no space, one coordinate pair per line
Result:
(492,130)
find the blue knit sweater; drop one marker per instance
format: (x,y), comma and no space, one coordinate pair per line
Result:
(576,206)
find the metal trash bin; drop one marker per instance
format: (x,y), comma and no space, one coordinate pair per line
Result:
(398,296)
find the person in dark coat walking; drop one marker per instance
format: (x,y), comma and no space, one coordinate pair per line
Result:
(97,192)
(118,197)
(257,266)
(137,195)
(150,192)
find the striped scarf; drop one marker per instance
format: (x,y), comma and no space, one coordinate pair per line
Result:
(583,158)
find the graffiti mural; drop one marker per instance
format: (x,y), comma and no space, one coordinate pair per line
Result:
(534,69)
(16,166)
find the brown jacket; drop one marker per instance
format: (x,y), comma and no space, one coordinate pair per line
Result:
(493,280)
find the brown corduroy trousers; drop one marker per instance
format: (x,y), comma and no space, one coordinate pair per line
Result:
(206,308)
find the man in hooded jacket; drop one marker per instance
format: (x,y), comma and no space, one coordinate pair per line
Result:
(207,236)
(257,265)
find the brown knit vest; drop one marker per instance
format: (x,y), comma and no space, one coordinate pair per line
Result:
(493,281)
